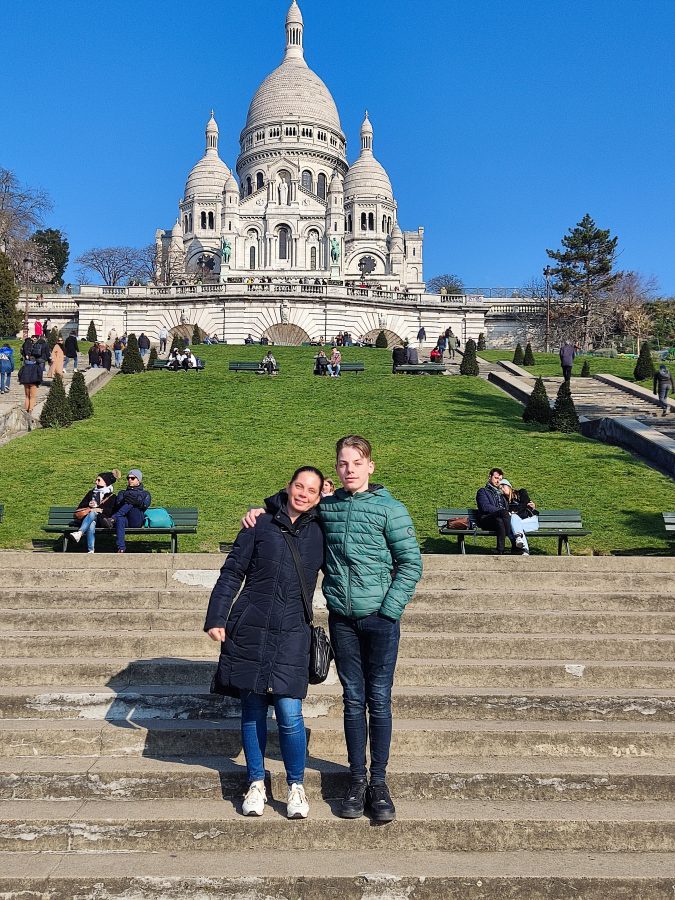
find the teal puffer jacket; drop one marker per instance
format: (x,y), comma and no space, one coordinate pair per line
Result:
(373,561)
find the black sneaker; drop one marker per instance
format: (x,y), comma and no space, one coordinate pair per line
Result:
(380,803)
(354,800)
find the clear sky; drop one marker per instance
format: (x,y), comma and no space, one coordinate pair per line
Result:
(500,122)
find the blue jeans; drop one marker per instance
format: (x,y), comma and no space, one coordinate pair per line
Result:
(522,526)
(130,518)
(5,378)
(118,358)
(365,656)
(334,370)
(67,360)
(292,739)
(88,527)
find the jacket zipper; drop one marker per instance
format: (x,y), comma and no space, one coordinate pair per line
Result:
(344,551)
(269,616)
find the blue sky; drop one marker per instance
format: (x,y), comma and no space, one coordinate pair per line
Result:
(500,123)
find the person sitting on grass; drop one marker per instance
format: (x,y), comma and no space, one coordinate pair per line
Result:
(98,502)
(269,363)
(524,515)
(130,507)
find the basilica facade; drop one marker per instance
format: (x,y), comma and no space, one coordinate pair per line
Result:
(296,208)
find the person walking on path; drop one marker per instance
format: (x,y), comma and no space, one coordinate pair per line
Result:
(105,356)
(71,348)
(130,507)
(163,335)
(493,511)
(567,355)
(421,338)
(58,359)
(265,637)
(99,501)
(663,383)
(143,344)
(6,367)
(450,341)
(35,356)
(117,350)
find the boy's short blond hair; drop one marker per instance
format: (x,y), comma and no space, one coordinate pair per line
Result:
(358,443)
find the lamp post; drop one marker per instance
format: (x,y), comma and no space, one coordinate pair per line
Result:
(547,338)
(27,266)
(325,322)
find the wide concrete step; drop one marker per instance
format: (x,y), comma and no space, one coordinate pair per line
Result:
(184,702)
(519,674)
(416,619)
(436,825)
(375,874)
(409,778)
(649,648)
(570,581)
(412,737)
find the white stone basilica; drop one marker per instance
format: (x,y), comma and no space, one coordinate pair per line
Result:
(299,209)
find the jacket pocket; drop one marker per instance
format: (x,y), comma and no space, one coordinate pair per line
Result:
(231,632)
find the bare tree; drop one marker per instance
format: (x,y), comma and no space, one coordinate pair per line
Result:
(42,268)
(146,265)
(22,209)
(630,293)
(113,264)
(451,284)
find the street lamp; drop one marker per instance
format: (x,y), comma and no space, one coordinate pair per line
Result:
(27,266)
(548,271)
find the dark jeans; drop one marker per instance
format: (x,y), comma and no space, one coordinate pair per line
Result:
(130,518)
(567,372)
(365,656)
(501,523)
(663,396)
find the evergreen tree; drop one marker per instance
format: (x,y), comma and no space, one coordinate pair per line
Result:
(481,342)
(469,364)
(132,362)
(538,407)
(11,319)
(52,337)
(56,412)
(528,359)
(584,272)
(564,416)
(196,335)
(176,343)
(79,399)
(91,332)
(644,368)
(153,356)
(57,251)
(586,370)
(381,341)
(518,356)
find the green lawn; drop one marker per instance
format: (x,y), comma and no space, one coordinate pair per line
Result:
(549,364)
(221,441)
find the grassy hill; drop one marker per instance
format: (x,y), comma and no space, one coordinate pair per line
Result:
(222,441)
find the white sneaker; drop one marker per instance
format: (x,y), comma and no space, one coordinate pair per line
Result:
(520,541)
(255,799)
(297,806)
(90,551)
(76,536)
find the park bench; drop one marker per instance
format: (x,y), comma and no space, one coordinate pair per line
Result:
(250,367)
(420,369)
(668,521)
(61,521)
(352,367)
(162,364)
(558,523)
(2,511)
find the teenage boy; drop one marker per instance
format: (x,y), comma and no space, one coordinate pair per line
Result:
(373,564)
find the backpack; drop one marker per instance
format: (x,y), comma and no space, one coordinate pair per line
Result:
(157,518)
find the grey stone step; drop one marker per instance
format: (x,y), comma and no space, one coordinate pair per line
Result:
(378,874)
(590,647)
(409,778)
(496,580)
(193,703)
(412,737)
(520,674)
(437,825)
(416,619)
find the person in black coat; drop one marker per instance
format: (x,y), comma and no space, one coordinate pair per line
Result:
(265,635)
(523,513)
(130,507)
(493,510)
(95,356)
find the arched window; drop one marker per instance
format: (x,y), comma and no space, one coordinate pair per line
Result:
(384,223)
(190,228)
(349,224)
(251,258)
(313,235)
(389,225)
(203,220)
(371,222)
(249,186)
(284,238)
(364,221)
(259,181)
(321,186)
(186,226)
(312,259)
(307,180)
(211,221)
(335,226)
(229,226)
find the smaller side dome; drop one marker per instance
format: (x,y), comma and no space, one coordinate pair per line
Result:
(366,177)
(231,186)
(335,186)
(177,231)
(208,177)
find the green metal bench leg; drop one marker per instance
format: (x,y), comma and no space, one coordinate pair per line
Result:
(174,543)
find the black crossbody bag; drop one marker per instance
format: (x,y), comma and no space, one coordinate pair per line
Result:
(320,650)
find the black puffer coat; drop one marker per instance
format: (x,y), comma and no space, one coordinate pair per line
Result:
(266,649)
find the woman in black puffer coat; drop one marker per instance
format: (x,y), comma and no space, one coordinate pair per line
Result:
(265,635)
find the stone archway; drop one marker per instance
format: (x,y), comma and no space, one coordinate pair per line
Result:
(286,335)
(393,339)
(185,331)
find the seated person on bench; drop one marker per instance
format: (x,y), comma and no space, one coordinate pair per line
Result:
(269,363)
(189,360)
(321,364)
(493,510)
(175,360)
(524,515)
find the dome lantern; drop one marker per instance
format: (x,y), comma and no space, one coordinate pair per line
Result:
(295,27)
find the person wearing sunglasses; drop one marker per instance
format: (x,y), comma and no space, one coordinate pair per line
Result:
(130,507)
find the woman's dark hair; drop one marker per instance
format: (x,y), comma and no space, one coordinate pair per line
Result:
(311,469)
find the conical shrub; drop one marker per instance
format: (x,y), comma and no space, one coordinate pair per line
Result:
(381,341)
(176,343)
(518,356)
(528,358)
(564,416)
(538,407)
(481,342)
(91,332)
(132,362)
(196,335)
(153,356)
(78,396)
(56,412)
(53,337)
(469,364)
(644,368)
(586,369)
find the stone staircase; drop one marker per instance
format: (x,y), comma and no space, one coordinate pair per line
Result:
(594,399)
(532,754)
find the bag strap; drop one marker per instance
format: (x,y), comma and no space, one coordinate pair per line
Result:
(295,553)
